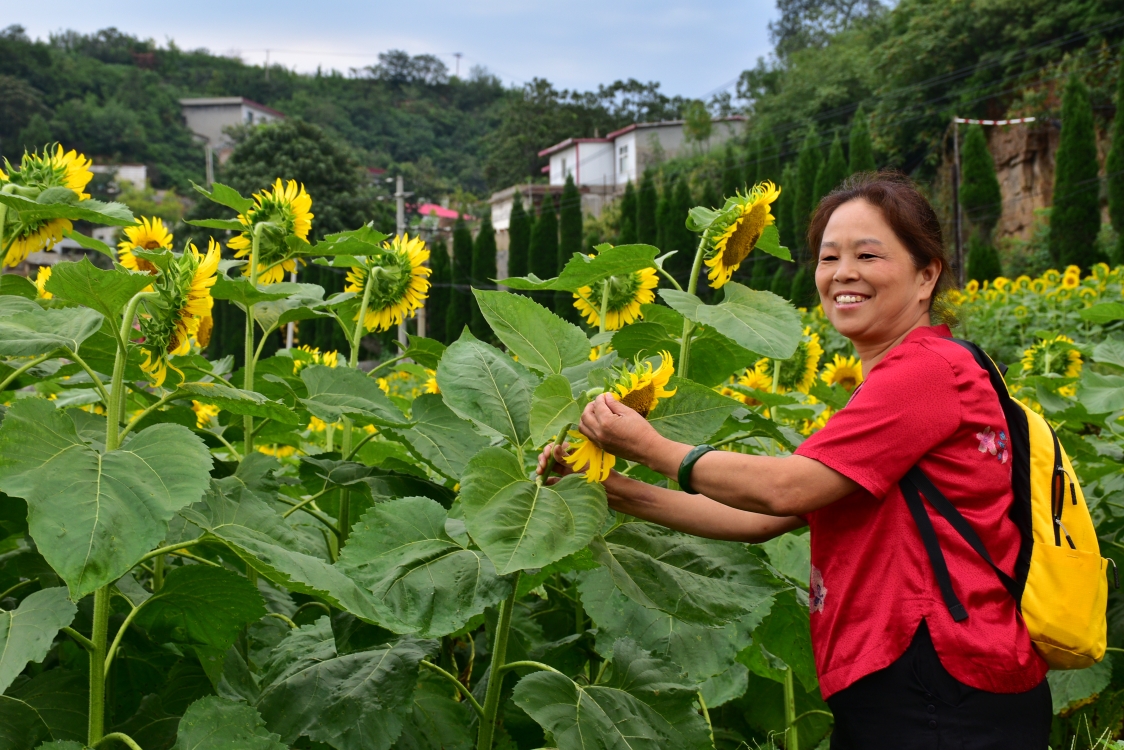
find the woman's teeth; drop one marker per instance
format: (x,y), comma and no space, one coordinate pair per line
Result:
(848,299)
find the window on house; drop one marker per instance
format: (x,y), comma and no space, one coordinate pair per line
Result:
(623,153)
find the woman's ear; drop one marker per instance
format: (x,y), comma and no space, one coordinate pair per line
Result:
(929,276)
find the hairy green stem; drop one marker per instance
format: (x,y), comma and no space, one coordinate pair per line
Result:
(170,548)
(248,365)
(25,367)
(375,370)
(93,375)
(669,277)
(121,633)
(122,738)
(495,681)
(829,714)
(791,737)
(689,326)
(345,443)
(309,605)
(460,687)
(82,640)
(96,725)
(233,451)
(171,396)
(158,574)
(306,501)
(12,589)
(351,454)
(706,715)
(314,513)
(529,664)
(558,440)
(292,625)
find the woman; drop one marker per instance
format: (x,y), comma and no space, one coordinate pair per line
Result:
(895,668)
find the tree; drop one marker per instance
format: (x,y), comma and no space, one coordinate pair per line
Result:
(784,210)
(483,272)
(1075,219)
(983,259)
(769,160)
(834,170)
(813,23)
(781,285)
(437,306)
(663,209)
(807,164)
(862,150)
(1114,167)
(570,242)
(803,292)
(697,124)
(628,233)
(752,161)
(459,312)
(647,230)
(710,197)
(544,247)
(518,238)
(979,189)
(677,236)
(732,173)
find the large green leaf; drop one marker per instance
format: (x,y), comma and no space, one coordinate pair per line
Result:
(714,358)
(27,632)
(645,705)
(89,243)
(94,515)
(520,524)
(21,728)
(334,392)
(702,581)
(105,291)
(201,605)
(356,701)
(553,409)
(38,331)
(480,383)
(1075,687)
(401,553)
(362,241)
(583,270)
(225,196)
(1104,312)
(238,401)
(785,633)
(56,204)
(440,437)
(59,697)
(541,339)
(1109,351)
(231,225)
(758,321)
(693,414)
(19,286)
(213,723)
(243,293)
(644,340)
(1099,394)
(300,303)
(438,722)
(426,352)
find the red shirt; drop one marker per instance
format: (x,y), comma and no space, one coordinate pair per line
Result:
(927,402)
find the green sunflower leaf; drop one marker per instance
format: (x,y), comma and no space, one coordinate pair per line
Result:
(1103,312)
(520,524)
(50,206)
(426,352)
(401,553)
(784,633)
(643,340)
(362,241)
(243,293)
(238,401)
(28,632)
(79,500)
(646,703)
(214,723)
(480,383)
(201,605)
(758,321)
(440,437)
(300,303)
(337,391)
(39,331)
(693,414)
(770,242)
(108,292)
(89,243)
(225,196)
(1075,687)
(1099,394)
(12,285)
(582,270)
(541,339)
(553,408)
(357,701)
(232,225)
(437,721)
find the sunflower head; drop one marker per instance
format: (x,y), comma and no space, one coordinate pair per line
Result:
(1057,356)
(626,294)
(41,279)
(738,228)
(846,371)
(311,355)
(398,279)
(57,168)
(798,372)
(758,378)
(147,234)
(283,211)
(204,414)
(431,381)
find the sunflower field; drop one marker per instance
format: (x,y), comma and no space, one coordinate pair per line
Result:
(303,553)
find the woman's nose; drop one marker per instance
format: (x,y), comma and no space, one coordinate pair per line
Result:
(846,270)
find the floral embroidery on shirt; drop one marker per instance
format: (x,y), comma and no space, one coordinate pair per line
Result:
(817,592)
(993,443)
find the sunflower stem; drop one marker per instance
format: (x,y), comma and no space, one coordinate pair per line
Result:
(360,323)
(605,305)
(172,395)
(688,327)
(495,680)
(96,725)
(558,440)
(70,353)
(24,368)
(248,365)
(344,522)
(791,738)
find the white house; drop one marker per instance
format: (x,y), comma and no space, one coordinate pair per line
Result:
(209,117)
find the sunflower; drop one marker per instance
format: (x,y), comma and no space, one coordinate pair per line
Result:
(284,211)
(798,372)
(328,359)
(640,389)
(1071,281)
(32,237)
(147,234)
(758,378)
(277,451)
(972,287)
(204,413)
(1057,356)
(846,371)
(431,382)
(399,282)
(185,292)
(626,294)
(735,233)
(41,282)
(59,168)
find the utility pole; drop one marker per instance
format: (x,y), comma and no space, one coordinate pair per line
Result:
(959,220)
(209,163)
(458,56)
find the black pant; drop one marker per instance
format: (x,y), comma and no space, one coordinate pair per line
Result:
(915,704)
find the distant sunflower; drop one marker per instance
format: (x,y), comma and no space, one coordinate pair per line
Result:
(798,372)
(204,413)
(147,234)
(51,169)
(1057,356)
(286,210)
(316,357)
(757,378)
(431,382)
(626,294)
(399,279)
(737,231)
(185,301)
(41,279)
(846,371)
(640,389)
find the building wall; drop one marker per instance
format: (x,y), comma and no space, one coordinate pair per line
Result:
(589,163)
(211,120)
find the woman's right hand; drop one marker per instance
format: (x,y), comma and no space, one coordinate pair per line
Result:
(560,467)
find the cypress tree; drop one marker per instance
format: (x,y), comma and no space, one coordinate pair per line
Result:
(862,150)
(663,209)
(769,160)
(731,173)
(820,188)
(979,189)
(807,164)
(628,234)
(679,237)
(762,277)
(785,226)
(1075,219)
(647,230)
(544,247)
(518,238)
(983,260)
(459,312)
(781,285)
(483,271)
(710,197)
(803,292)
(1115,169)
(570,242)
(752,161)
(437,306)
(835,169)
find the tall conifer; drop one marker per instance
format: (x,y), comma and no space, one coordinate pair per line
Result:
(518,238)
(732,172)
(982,203)
(437,306)
(769,159)
(459,312)
(647,230)
(544,247)
(483,272)
(570,242)
(807,164)
(679,237)
(784,211)
(752,156)
(628,233)
(663,209)
(1114,167)
(1075,219)
(835,169)
(862,150)
(983,260)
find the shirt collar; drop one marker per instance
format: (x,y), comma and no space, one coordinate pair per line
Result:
(924,332)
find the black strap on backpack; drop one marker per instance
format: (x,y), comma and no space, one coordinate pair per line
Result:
(916,484)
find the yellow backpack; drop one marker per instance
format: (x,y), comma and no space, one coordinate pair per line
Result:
(1061,581)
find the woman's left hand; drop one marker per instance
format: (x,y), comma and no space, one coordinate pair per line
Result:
(617,429)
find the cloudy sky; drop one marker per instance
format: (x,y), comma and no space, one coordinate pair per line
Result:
(692,49)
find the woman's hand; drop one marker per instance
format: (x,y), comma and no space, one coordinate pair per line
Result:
(617,429)
(560,467)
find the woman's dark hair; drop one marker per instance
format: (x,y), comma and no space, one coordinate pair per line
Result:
(909,215)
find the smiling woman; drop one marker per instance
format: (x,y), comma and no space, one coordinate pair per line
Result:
(895,665)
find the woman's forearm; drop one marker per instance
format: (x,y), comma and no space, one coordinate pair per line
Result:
(694,514)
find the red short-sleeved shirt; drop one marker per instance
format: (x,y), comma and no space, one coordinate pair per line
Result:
(872,584)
